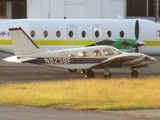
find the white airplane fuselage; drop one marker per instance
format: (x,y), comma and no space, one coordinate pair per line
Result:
(55,34)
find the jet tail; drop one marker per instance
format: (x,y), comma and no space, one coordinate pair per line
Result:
(22,43)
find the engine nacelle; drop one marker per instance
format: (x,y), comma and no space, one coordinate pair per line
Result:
(135,61)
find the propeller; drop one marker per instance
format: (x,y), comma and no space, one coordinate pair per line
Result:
(138,42)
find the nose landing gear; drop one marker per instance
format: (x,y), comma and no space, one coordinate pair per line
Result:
(89,74)
(107,73)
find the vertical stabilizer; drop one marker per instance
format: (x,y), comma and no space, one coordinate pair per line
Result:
(22,43)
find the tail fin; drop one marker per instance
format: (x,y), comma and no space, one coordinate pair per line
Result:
(22,43)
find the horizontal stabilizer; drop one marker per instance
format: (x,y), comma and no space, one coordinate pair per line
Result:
(17,59)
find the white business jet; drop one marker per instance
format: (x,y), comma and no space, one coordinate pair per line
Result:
(129,34)
(86,58)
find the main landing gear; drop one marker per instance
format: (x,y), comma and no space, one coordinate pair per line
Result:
(134,73)
(107,74)
(89,73)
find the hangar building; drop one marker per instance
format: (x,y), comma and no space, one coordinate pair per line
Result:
(77,9)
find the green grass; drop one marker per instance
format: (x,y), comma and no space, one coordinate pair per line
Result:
(102,94)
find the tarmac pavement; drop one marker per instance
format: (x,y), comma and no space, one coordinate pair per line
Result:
(11,72)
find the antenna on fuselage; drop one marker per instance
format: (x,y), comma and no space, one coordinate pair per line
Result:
(119,17)
(61,47)
(47,49)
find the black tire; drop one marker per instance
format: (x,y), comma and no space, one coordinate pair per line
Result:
(107,76)
(90,74)
(83,71)
(135,74)
(72,70)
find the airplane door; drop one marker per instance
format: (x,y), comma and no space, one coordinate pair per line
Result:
(72,31)
(98,29)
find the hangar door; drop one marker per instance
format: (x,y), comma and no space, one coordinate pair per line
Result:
(75,9)
(13,9)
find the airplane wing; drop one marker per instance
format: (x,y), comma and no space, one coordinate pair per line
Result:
(106,41)
(122,60)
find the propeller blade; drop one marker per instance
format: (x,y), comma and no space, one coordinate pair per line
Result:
(137,29)
(136,49)
(137,35)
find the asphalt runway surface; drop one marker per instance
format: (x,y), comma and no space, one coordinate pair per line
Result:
(13,72)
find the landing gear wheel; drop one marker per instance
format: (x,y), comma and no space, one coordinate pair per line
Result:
(90,74)
(72,70)
(134,73)
(107,76)
(83,71)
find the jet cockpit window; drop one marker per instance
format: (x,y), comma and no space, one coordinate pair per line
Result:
(158,32)
(58,33)
(83,54)
(96,53)
(33,33)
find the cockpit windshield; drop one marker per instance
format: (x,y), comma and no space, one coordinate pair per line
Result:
(111,51)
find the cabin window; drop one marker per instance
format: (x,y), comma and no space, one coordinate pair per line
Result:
(108,52)
(83,33)
(158,32)
(121,33)
(83,54)
(96,53)
(70,33)
(96,33)
(33,33)
(45,33)
(116,52)
(58,33)
(72,55)
(109,33)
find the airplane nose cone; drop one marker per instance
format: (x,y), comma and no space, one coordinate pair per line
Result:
(151,59)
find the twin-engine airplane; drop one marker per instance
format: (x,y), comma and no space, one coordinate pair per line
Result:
(84,58)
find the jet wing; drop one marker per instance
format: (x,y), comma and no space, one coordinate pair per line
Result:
(122,60)
(106,41)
